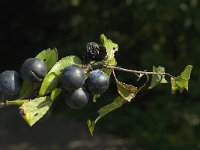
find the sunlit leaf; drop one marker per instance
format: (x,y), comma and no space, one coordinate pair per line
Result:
(16,102)
(35,109)
(50,82)
(181,82)
(157,79)
(50,57)
(64,62)
(111,47)
(55,93)
(91,126)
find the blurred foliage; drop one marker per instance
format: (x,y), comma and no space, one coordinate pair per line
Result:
(161,33)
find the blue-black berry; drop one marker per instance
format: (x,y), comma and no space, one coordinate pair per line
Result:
(72,78)
(33,70)
(77,99)
(97,82)
(10,84)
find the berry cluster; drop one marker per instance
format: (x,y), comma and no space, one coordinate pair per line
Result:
(78,88)
(32,70)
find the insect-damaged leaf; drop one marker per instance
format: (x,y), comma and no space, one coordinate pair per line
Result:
(49,56)
(127,91)
(157,79)
(111,47)
(33,110)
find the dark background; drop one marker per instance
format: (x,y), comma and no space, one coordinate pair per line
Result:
(165,33)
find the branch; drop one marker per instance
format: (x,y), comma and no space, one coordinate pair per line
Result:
(136,72)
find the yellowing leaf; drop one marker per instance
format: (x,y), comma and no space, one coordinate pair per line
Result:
(127,91)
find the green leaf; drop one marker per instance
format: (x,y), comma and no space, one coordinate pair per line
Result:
(127,91)
(118,102)
(35,109)
(64,62)
(49,56)
(51,80)
(181,82)
(111,47)
(91,126)
(157,79)
(55,93)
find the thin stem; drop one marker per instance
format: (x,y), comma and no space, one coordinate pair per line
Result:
(9,103)
(136,72)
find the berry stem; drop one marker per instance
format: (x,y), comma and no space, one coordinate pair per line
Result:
(15,102)
(136,72)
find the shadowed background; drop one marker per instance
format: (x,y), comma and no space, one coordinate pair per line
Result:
(165,33)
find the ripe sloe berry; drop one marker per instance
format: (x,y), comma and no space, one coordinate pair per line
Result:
(77,99)
(72,78)
(97,82)
(33,70)
(10,84)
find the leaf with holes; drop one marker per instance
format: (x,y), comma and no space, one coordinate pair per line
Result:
(35,109)
(127,91)
(111,47)
(49,56)
(157,79)
(181,82)
(50,81)
(64,62)
(118,102)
